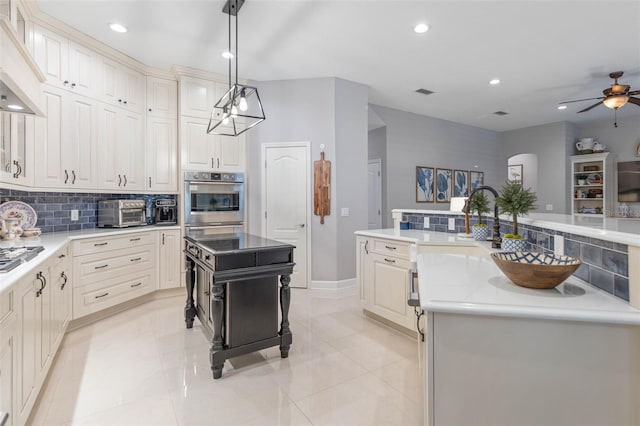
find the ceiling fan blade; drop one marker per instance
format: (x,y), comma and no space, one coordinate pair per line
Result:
(634,101)
(591,107)
(635,92)
(581,100)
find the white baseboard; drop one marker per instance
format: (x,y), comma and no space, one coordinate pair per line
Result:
(333,285)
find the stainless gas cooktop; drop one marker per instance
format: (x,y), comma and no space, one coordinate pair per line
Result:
(13,257)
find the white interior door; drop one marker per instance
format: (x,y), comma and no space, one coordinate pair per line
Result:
(286,199)
(375,194)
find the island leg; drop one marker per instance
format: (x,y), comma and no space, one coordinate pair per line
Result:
(217,313)
(190,308)
(285,301)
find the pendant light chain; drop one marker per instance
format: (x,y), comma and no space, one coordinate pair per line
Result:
(229,49)
(236,3)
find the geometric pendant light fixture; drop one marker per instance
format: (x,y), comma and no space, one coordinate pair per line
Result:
(240,108)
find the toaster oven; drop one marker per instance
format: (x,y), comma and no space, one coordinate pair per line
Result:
(121,213)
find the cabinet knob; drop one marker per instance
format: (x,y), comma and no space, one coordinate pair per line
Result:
(149,109)
(65,82)
(119,100)
(73,85)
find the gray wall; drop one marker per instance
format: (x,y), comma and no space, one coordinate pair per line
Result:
(312,110)
(416,140)
(378,150)
(549,143)
(351,171)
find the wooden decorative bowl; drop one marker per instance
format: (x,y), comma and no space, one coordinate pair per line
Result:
(535,270)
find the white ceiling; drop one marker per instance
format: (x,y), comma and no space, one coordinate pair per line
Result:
(544,52)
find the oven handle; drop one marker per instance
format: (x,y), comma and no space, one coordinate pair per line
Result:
(204,182)
(215,225)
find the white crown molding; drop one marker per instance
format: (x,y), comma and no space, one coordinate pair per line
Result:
(40,18)
(180,71)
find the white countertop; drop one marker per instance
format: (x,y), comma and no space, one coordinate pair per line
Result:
(474,285)
(54,241)
(420,237)
(615,229)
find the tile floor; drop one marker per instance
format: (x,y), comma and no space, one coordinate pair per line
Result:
(142,367)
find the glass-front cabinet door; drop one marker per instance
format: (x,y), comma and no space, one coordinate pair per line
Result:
(16,146)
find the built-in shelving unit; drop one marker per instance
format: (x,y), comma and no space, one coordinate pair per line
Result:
(590,184)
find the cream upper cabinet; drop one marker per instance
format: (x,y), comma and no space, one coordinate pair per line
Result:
(162,154)
(162,98)
(121,149)
(197,97)
(170,259)
(121,86)
(202,151)
(16,148)
(66,141)
(64,63)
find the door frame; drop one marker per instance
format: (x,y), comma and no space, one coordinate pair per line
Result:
(263,194)
(377,161)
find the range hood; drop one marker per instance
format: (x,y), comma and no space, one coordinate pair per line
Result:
(20,77)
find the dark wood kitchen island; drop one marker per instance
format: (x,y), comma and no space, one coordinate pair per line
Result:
(235,278)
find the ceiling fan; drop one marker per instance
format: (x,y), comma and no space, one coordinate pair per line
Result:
(614,97)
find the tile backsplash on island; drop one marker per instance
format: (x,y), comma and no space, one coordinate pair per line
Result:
(605,264)
(54,208)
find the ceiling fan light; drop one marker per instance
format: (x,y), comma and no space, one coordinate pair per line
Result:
(615,102)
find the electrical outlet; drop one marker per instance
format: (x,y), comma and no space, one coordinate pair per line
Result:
(344,211)
(74,215)
(426,223)
(558,244)
(452,224)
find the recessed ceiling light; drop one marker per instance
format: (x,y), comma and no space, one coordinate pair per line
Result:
(494,81)
(119,28)
(15,107)
(227,55)
(421,28)
(562,107)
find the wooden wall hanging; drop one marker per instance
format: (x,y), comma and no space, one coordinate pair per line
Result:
(321,187)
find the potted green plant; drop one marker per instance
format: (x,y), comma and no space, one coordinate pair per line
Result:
(582,179)
(480,205)
(515,200)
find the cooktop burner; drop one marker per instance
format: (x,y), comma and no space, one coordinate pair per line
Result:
(13,257)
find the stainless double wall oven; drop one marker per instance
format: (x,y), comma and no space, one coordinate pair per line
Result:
(213,202)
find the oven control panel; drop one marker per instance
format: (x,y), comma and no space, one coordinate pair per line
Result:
(213,177)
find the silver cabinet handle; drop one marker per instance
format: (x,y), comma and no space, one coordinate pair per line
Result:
(390,247)
(119,180)
(218,162)
(100,244)
(389,260)
(163,238)
(66,176)
(73,173)
(366,246)
(125,180)
(135,259)
(149,181)
(43,283)
(102,295)
(18,172)
(134,239)
(63,276)
(101,266)
(136,285)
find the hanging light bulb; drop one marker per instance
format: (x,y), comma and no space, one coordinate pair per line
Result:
(234,110)
(225,116)
(243,101)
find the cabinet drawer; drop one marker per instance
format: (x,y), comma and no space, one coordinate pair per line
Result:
(101,245)
(394,248)
(6,305)
(105,294)
(60,256)
(101,266)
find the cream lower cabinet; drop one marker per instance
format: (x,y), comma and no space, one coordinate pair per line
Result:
(110,270)
(384,275)
(8,355)
(38,336)
(170,258)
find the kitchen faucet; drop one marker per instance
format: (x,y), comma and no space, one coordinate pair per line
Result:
(497,240)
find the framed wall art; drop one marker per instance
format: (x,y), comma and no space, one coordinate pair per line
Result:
(476,179)
(460,183)
(424,184)
(514,173)
(443,185)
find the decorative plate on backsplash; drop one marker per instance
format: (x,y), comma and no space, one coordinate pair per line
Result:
(13,209)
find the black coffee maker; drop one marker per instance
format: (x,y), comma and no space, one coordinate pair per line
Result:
(166,212)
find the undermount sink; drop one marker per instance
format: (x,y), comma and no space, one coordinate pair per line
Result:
(535,270)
